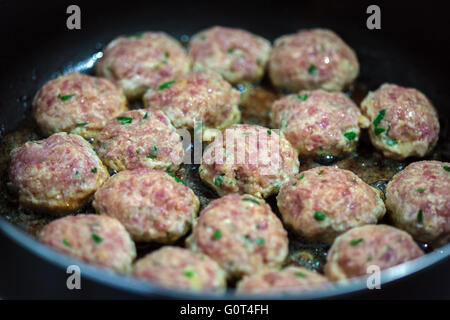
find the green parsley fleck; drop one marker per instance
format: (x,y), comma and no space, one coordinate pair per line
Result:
(303,97)
(421,190)
(379,117)
(219,179)
(66,97)
(269,132)
(189,273)
(300,274)
(350,135)
(447,168)
(151,156)
(312,69)
(96,238)
(81,124)
(231,50)
(301,177)
(175,177)
(217,234)
(379,130)
(137,35)
(355,242)
(94,170)
(65,242)
(165,85)
(391,142)
(145,116)
(125,120)
(420,216)
(251,200)
(319,216)
(260,241)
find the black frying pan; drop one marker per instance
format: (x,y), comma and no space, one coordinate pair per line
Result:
(410,50)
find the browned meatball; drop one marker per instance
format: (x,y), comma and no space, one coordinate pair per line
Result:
(248,159)
(142,61)
(197,96)
(323,202)
(56,175)
(287,280)
(357,249)
(236,54)
(318,122)
(99,240)
(140,138)
(418,199)
(312,59)
(180,268)
(77,103)
(151,204)
(241,233)
(404,122)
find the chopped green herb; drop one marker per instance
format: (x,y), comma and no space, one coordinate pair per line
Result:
(447,168)
(300,274)
(379,117)
(251,200)
(303,97)
(319,216)
(312,69)
(77,174)
(94,170)
(420,216)
(391,142)
(217,234)
(125,120)
(151,156)
(350,135)
(379,130)
(175,177)
(231,50)
(66,97)
(37,142)
(260,241)
(301,177)
(166,55)
(145,116)
(269,132)
(96,238)
(81,124)
(188,273)
(355,242)
(165,85)
(65,242)
(219,179)
(137,35)
(320,172)
(421,190)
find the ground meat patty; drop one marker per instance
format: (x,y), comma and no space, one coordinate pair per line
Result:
(318,123)
(404,122)
(324,202)
(241,233)
(56,175)
(312,59)
(150,204)
(137,62)
(238,55)
(99,240)
(287,280)
(180,268)
(357,249)
(77,103)
(248,159)
(418,201)
(140,138)
(197,96)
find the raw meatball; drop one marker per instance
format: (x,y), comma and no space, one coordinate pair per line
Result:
(290,279)
(241,233)
(150,204)
(140,61)
(321,203)
(318,122)
(99,240)
(418,199)
(312,59)
(404,122)
(140,138)
(238,55)
(77,103)
(357,249)
(248,159)
(197,96)
(180,268)
(56,175)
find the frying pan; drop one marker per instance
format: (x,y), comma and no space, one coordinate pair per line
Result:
(410,50)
